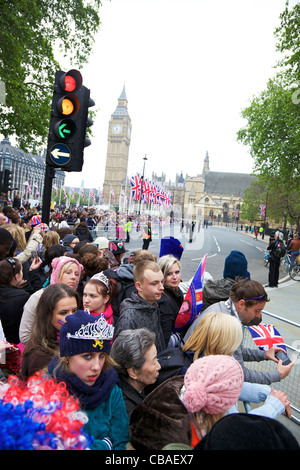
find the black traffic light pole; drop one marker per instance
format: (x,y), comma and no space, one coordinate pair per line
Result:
(49,176)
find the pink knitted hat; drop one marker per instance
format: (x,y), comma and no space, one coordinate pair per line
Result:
(212,384)
(57,265)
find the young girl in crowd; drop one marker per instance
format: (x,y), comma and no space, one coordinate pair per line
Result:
(66,271)
(85,366)
(97,295)
(56,302)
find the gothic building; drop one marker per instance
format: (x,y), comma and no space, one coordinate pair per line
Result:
(118,142)
(215,195)
(27,171)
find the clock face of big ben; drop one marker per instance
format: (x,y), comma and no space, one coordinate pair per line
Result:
(116,129)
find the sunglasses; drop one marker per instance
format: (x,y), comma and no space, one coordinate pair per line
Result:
(261,297)
(13,264)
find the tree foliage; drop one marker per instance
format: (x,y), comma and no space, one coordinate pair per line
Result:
(272,133)
(281,203)
(33,33)
(287,35)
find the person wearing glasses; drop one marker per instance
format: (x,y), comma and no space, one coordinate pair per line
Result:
(246,301)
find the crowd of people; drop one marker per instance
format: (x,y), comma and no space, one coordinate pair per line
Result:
(74,310)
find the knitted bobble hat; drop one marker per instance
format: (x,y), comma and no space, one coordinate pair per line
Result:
(212,384)
(57,265)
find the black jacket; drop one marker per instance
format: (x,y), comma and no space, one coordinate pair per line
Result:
(169,305)
(12,301)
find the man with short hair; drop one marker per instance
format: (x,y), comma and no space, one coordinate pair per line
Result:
(246,301)
(141,309)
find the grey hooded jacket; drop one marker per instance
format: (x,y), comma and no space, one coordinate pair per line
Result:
(135,313)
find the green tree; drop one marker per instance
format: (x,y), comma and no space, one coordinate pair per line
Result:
(287,35)
(33,33)
(253,197)
(272,133)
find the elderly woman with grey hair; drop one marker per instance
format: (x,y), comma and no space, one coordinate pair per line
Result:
(135,353)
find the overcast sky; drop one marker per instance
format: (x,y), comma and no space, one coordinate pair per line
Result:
(189,68)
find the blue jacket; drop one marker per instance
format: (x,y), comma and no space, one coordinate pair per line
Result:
(109,421)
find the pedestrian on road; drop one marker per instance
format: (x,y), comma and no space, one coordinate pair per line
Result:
(274,261)
(147,236)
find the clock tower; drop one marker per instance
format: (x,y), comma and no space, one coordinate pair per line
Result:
(119,134)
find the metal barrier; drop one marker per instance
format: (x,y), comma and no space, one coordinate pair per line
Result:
(291,384)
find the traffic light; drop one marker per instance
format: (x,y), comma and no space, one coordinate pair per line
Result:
(68,121)
(7,181)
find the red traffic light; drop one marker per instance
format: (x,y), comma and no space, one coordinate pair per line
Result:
(71,81)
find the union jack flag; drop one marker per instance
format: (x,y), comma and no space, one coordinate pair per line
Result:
(135,182)
(93,195)
(146,191)
(262,209)
(152,191)
(266,336)
(193,301)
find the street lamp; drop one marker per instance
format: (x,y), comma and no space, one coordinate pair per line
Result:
(142,183)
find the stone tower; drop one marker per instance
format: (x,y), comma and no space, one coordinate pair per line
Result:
(118,142)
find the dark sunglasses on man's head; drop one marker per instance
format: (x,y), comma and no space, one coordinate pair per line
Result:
(261,297)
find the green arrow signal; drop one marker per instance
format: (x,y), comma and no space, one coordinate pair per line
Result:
(62,131)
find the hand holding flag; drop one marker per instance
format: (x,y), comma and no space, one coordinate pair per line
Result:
(193,301)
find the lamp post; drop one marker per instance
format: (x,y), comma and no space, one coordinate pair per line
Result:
(142,183)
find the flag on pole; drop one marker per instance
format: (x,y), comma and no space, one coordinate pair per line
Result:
(135,182)
(266,336)
(193,301)
(65,193)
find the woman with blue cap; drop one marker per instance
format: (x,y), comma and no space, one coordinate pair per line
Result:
(87,369)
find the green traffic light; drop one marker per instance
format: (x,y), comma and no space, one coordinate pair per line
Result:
(65,129)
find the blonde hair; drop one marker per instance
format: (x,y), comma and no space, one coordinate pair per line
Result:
(65,267)
(166,263)
(50,238)
(216,333)
(18,233)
